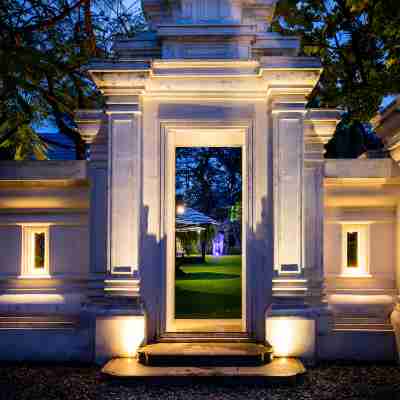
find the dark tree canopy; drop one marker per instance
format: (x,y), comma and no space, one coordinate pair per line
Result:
(358,42)
(44,48)
(46,44)
(209,178)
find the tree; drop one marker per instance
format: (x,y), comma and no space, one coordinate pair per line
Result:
(210,178)
(351,139)
(358,42)
(45,46)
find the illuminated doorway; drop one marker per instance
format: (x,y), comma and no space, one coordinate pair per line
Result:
(206,274)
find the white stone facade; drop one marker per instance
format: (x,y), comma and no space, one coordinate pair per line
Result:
(207,71)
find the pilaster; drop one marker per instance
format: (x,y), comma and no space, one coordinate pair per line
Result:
(124,183)
(92,126)
(113,171)
(299,137)
(114,309)
(319,126)
(288,181)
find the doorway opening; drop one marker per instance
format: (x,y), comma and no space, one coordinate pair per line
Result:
(208,239)
(208,233)
(206,224)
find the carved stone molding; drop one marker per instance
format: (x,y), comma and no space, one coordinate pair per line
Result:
(319,127)
(89,123)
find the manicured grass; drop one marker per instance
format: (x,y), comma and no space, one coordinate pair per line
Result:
(210,290)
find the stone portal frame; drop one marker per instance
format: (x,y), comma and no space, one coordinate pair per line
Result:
(189,133)
(267,95)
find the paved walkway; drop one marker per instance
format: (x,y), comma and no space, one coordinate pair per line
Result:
(327,382)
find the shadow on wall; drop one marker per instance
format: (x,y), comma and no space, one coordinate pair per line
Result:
(152,273)
(260,269)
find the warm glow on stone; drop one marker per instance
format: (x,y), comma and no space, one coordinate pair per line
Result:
(291,336)
(132,335)
(119,336)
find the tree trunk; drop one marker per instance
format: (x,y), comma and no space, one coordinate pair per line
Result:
(203,250)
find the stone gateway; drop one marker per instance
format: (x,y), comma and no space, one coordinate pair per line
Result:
(87,261)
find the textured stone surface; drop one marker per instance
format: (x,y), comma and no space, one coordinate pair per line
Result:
(216,349)
(282,369)
(205,354)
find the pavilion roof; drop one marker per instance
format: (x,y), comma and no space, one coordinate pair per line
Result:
(191,217)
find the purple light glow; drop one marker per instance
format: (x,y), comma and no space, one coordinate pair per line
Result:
(218,245)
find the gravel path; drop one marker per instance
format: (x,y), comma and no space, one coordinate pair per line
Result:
(326,382)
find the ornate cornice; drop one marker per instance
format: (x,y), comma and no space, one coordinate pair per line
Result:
(291,76)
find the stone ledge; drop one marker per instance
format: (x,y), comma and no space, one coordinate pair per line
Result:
(43,170)
(39,322)
(361,168)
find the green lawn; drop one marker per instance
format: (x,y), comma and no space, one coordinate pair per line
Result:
(210,290)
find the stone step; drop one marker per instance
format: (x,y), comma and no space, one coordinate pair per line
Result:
(278,371)
(205,354)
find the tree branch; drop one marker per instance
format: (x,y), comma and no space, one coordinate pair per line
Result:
(50,22)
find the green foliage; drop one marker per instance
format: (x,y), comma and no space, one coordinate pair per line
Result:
(358,43)
(188,240)
(45,46)
(235,212)
(208,234)
(23,144)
